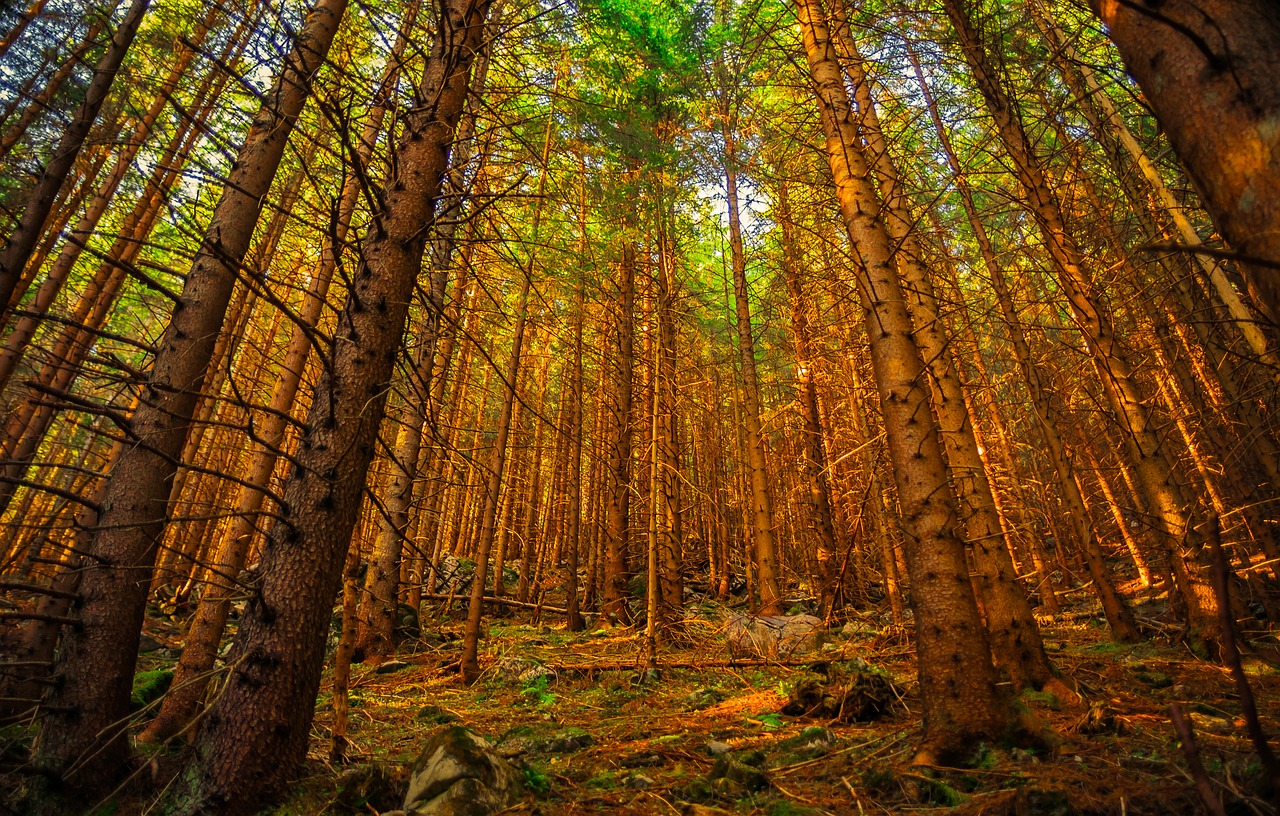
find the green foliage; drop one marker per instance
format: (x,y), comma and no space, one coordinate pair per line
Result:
(536,780)
(535,691)
(768,720)
(937,792)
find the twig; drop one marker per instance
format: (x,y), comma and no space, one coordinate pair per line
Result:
(1192,753)
(1231,655)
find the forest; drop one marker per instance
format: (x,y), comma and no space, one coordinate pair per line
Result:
(779,407)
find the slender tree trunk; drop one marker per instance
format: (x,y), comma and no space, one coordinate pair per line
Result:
(1048,417)
(762,526)
(256,734)
(17,250)
(957,680)
(618,516)
(25,327)
(1145,445)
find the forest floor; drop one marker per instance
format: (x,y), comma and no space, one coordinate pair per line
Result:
(595,735)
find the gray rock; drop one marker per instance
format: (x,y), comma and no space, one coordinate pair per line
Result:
(524,670)
(718,748)
(391,666)
(774,635)
(638,782)
(703,698)
(459,774)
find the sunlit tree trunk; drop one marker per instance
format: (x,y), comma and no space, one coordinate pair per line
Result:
(255,736)
(17,251)
(618,481)
(1145,446)
(1047,415)
(1014,637)
(1224,132)
(762,524)
(957,680)
(205,632)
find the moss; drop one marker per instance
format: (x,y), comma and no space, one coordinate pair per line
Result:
(937,792)
(149,686)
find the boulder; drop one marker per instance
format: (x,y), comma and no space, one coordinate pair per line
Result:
(774,635)
(459,774)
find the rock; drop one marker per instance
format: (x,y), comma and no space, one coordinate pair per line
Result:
(733,779)
(391,666)
(568,741)
(455,574)
(773,635)
(645,760)
(704,698)
(373,785)
(858,629)
(434,715)
(148,644)
(407,625)
(1155,679)
(459,774)
(718,748)
(812,741)
(526,739)
(524,670)
(638,781)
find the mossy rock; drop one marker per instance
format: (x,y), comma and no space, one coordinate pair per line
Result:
(1155,679)
(811,742)
(733,779)
(149,686)
(374,785)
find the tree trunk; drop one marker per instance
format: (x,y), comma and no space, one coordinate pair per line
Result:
(256,734)
(96,661)
(957,680)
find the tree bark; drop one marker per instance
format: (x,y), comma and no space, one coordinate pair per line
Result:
(957,680)
(96,661)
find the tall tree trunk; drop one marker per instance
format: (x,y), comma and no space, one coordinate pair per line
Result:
(17,250)
(813,449)
(1119,616)
(256,734)
(96,661)
(617,513)
(192,673)
(1011,628)
(763,535)
(1146,447)
(957,679)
